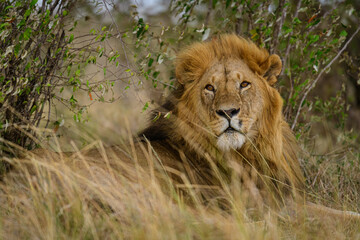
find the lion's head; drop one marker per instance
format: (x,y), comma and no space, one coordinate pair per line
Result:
(226,104)
(227,90)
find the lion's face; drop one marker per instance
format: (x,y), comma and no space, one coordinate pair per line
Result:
(226,96)
(231,102)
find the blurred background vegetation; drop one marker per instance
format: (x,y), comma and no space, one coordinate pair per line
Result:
(76,67)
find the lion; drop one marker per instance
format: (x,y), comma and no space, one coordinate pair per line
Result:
(226,108)
(226,115)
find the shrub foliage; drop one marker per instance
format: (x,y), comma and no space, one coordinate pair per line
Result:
(33,52)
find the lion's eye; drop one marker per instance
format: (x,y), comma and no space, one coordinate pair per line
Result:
(209,87)
(244,84)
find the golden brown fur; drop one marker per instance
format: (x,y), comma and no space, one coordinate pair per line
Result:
(256,138)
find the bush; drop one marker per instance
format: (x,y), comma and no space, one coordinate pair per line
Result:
(33,49)
(41,65)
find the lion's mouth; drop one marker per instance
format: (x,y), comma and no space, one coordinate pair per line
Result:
(230,130)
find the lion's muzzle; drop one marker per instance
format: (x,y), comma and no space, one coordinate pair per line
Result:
(231,135)
(229,113)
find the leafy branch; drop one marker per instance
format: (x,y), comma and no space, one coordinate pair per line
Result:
(313,84)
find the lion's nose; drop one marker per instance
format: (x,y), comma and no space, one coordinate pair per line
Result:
(229,113)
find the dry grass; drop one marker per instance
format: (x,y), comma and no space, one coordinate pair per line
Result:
(100,196)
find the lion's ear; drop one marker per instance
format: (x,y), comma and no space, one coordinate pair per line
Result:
(188,68)
(192,62)
(182,72)
(271,68)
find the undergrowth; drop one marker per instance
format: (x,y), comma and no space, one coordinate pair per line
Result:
(96,194)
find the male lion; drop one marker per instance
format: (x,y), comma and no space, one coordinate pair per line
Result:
(226,109)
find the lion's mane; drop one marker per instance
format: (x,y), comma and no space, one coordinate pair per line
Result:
(271,153)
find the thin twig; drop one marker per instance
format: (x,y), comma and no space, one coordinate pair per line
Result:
(119,34)
(285,62)
(49,111)
(239,21)
(250,14)
(277,28)
(319,76)
(207,18)
(288,47)
(334,6)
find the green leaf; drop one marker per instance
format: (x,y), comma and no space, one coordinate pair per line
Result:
(71,38)
(313,38)
(101,52)
(65,13)
(33,109)
(157,116)
(334,41)
(167,115)
(145,106)
(343,33)
(72,100)
(17,49)
(214,3)
(296,21)
(155,74)
(33,2)
(151,60)
(27,13)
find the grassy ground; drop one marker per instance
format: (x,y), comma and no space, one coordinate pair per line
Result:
(51,196)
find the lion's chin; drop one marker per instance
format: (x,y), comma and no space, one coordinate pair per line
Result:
(230,140)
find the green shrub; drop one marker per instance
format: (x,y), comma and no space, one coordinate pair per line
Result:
(34,48)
